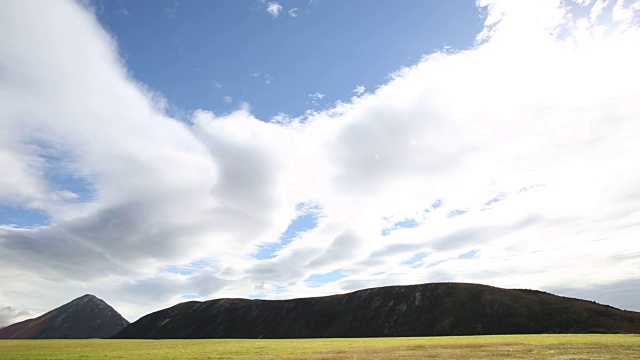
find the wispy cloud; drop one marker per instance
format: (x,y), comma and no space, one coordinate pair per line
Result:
(315,97)
(172,10)
(268,78)
(293,12)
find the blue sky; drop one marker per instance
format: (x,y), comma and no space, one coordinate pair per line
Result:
(157,152)
(306,219)
(196,53)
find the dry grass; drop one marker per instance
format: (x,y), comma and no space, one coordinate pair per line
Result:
(529,348)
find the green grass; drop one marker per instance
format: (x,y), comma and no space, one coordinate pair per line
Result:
(564,347)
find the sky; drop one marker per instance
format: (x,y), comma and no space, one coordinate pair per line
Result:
(158,152)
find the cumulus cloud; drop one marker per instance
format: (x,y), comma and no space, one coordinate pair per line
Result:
(532,132)
(274,9)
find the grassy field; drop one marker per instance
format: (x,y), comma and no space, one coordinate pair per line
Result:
(463,347)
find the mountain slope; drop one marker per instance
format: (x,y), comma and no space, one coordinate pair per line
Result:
(84,317)
(417,310)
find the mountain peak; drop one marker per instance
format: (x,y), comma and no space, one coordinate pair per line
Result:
(88,297)
(85,317)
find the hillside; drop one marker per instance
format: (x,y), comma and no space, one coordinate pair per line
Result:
(84,317)
(416,310)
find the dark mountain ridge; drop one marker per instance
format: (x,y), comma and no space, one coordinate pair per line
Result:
(415,310)
(84,317)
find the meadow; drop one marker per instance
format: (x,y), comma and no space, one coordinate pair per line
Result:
(591,346)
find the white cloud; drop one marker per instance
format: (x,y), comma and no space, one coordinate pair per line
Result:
(227,99)
(282,118)
(268,78)
(293,12)
(541,117)
(359,90)
(315,97)
(274,9)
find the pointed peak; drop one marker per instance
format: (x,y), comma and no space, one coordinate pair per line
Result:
(84,317)
(86,298)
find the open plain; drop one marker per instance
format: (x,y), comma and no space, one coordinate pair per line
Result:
(565,346)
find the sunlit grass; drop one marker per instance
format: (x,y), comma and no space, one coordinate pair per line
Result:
(590,346)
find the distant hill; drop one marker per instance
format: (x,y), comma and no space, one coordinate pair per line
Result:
(84,317)
(416,310)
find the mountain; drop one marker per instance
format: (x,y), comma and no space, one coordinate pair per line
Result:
(84,317)
(416,310)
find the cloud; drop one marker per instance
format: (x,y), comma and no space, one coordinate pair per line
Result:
(359,90)
(342,248)
(274,9)
(315,97)
(293,12)
(281,269)
(281,118)
(10,315)
(123,11)
(541,113)
(268,78)
(620,294)
(227,99)
(172,10)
